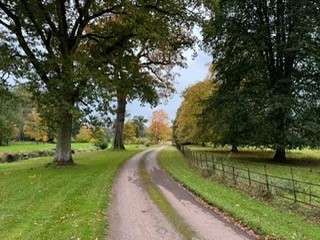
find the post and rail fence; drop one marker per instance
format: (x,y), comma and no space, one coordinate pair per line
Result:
(294,190)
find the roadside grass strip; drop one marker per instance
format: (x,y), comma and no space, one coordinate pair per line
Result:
(162,203)
(266,219)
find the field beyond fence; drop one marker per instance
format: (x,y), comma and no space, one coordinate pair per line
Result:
(296,191)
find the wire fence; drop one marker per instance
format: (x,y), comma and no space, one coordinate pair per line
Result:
(294,190)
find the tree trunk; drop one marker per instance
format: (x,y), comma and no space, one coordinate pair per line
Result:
(63,146)
(119,123)
(280,155)
(234,148)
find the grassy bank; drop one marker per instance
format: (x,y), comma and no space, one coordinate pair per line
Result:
(39,202)
(25,147)
(260,216)
(162,203)
(305,163)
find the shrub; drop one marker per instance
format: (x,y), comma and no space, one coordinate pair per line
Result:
(100,138)
(10,157)
(102,145)
(85,135)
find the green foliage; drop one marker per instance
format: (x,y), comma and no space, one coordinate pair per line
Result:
(8,114)
(101,137)
(140,123)
(267,70)
(85,135)
(188,125)
(35,128)
(129,132)
(57,44)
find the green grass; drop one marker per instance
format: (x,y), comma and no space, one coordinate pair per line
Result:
(304,163)
(165,207)
(25,147)
(39,202)
(260,216)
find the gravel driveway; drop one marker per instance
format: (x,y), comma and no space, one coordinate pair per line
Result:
(134,216)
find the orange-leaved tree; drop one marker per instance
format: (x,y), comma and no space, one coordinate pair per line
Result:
(160,129)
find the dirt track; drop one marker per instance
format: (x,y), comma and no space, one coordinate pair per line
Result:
(133,215)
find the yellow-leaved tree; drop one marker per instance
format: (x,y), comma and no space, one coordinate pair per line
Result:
(35,128)
(160,129)
(85,135)
(188,127)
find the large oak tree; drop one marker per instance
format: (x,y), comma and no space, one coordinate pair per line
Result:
(267,51)
(49,35)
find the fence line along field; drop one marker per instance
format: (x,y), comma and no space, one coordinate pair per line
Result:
(250,178)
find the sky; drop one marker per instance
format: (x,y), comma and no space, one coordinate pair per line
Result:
(196,70)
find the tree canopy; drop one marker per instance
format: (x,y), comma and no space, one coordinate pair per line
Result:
(265,61)
(188,125)
(51,39)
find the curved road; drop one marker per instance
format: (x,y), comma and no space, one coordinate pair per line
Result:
(134,216)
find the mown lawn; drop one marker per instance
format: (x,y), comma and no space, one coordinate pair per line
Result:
(44,202)
(305,163)
(260,216)
(25,147)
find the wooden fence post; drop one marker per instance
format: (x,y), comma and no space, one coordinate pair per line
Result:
(197,158)
(267,180)
(293,185)
(213,165)
(222,169)
(234,176)
(207,164)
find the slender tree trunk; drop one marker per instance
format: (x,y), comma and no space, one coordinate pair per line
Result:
(280,154)
(234,148)
(118,143)
(63,146)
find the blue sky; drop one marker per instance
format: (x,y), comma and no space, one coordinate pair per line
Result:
(196,71)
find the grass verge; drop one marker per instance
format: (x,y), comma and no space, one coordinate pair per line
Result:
(162,203)
(263,218)
(39,202)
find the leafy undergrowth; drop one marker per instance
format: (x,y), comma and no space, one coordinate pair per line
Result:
(39,202)
(260,216)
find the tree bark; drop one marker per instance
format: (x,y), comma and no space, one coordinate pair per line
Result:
(118,143)
(280,154)
(63,146)
(234,148)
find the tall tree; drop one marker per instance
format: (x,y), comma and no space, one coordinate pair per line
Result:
(140,122)
(48,35)
(160,128)
(35,128)
(9,105)
(267,49)
(189,126)
(129,132)
(141,68)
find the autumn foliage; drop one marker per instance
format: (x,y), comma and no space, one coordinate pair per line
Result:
(188,127)
(160,130)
